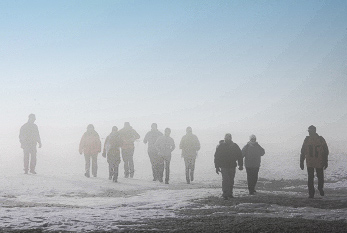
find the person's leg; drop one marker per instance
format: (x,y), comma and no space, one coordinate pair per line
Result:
(131,162)
(256,172)
(249,180)
(225,182)
(167,169)
(160,168)
(95,165)
(310,180)
(110,171)
(87,165)
(186,163)
(192,168)
(33,152)
(115,173)
(151,155)
(232,172)
(320,176)
(125,157)
(26,160)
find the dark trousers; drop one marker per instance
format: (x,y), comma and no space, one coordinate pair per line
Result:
(310,181)
(190,166)
(228,175)
(154,158)
(164,164)
(252,177)
(27,153)
(127,155)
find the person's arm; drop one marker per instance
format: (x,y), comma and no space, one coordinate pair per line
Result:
(173,145)
(145,140)
(244,150)
(82,142)
(104,151)
(239,157)
(302,155)
(38,139)
(136,135)
(326,153)
(197,144)
(181,143)
(216,160)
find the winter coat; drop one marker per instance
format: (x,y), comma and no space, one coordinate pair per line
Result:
(128,136)
(315,151)
(190,145)
(165,145)
(228,155)
(90,143)
(112,147)
(252,153)
(29,136)
(151,137)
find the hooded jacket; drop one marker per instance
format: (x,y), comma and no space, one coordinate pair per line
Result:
(90,143)
(252,153)
(228,155)
(315,151)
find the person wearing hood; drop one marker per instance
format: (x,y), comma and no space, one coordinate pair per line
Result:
(226,158)
(29,137)
(190,146)
(315,150)
(150,138)
(165,145)
(90,145)
(112,151)
(252,153)
(128,136)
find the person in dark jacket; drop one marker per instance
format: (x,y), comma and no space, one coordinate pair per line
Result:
(29,137)
(315,150)
(190,145)
(112,151)
(150,138)
(165,145)
(128,136)
(252,153)
(90,145)
(228,155)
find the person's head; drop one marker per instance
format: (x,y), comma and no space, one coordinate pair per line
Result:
(126,125)
(252,138)
(227,137)
(31,118)
(90,128)
(189,130)
(114,129)
(312,130)
(154,126)
(167,131)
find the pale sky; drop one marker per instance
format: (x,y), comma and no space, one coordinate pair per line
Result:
(266,67)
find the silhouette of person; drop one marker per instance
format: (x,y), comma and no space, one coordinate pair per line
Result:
(165,145)
(315,150)
(190,145)
(90,145)
(228,155)
(29,136)
(252,153)
(128,136)
(112,151)
(151,137)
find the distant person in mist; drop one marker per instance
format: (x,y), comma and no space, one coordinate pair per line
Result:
(252,153)
(315,151)
(150,138)
(90,145)
(128,136)
(165,145)
(226,158)
(29,137)
(112,151)
(190,146)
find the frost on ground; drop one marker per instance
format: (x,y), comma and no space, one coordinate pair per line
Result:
(52,201)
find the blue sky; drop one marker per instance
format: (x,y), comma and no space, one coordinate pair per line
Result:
(260,67)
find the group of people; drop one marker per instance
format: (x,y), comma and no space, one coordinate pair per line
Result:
(227,157)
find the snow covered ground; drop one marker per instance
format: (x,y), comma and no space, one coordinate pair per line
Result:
(59,197)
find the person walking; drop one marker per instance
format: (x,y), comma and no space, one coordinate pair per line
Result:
(165,145)
(90,145)
(252,153)
(190,146)
(315,150)
(226,158)
(128,136)
(112,151)
(150,138)
(29,137)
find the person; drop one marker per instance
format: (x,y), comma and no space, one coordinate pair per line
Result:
(226,158)
(165,145)
(252,153)
(150,138)
(90,145)
(315,150)
(29,137)
(190,145)
(128,136)
(112,151)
